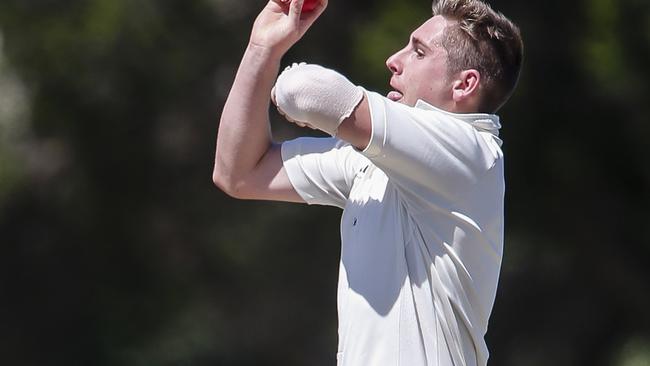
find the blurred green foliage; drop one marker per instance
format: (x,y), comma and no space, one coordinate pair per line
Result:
(117,250)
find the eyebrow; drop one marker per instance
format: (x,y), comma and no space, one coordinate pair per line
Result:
(419,42)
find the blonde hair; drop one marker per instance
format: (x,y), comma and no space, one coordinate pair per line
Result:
(485,40)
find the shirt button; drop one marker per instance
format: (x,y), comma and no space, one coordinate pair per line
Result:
(354,222)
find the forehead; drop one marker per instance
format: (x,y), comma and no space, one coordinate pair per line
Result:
(432,30)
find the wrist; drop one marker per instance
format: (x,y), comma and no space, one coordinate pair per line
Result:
(266,53)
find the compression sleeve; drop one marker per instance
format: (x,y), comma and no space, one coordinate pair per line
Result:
(317,96)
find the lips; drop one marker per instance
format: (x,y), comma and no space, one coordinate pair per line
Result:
(394,95)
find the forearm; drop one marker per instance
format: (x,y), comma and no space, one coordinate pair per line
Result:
(324,99)
(244,132)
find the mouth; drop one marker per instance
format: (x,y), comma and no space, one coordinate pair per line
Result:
(395,95)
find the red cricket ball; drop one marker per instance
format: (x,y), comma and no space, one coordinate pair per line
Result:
(309,5)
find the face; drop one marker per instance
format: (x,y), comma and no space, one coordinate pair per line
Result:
(420,69)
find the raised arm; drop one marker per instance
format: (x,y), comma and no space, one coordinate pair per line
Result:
(247,163)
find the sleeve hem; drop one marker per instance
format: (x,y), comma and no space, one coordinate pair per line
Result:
(378,124)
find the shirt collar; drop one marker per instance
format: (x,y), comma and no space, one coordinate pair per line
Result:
(481,121)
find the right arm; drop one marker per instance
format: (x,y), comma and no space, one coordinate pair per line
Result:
(248,164)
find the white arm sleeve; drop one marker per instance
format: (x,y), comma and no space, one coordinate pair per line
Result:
(320,97)
(430,152)
(322,170)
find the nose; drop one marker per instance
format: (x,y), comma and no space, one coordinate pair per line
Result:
(393,64)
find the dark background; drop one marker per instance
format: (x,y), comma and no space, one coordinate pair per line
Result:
(116,249)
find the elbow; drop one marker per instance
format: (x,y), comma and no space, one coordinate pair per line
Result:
(219,181)
(222,180)
(228,184)
(224,177)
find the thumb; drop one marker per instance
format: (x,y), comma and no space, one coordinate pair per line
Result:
(295,10)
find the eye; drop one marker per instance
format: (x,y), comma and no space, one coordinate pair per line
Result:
(419,53)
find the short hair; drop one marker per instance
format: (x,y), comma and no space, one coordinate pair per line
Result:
(485,40)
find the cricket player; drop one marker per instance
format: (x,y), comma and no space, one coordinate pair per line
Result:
(418,173)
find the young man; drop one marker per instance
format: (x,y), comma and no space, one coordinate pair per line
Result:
(419,174)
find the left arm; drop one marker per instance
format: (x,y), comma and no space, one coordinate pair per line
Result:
(357,128)
(320,98)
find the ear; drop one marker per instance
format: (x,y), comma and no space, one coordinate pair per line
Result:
(466,85)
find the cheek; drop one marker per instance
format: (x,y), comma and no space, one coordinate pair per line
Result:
(424,80)
(437,89)
(434,79)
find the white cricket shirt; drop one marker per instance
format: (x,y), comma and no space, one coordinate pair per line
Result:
(421,232)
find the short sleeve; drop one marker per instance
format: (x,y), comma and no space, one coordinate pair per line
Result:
(426,150)
(321,170)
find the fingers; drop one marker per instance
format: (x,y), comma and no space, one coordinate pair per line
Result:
(291,120)
(322,4)
(303,124)
(310,17)
(273,96)
(302,20)
(295,10)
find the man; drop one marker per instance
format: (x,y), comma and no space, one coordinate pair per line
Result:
(419,174)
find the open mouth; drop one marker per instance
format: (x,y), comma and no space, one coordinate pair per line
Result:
(394,95)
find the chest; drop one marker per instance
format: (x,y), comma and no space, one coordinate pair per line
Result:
(373,264)
(372,224)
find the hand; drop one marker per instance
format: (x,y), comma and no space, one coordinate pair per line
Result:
(281,24)
(298,123)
